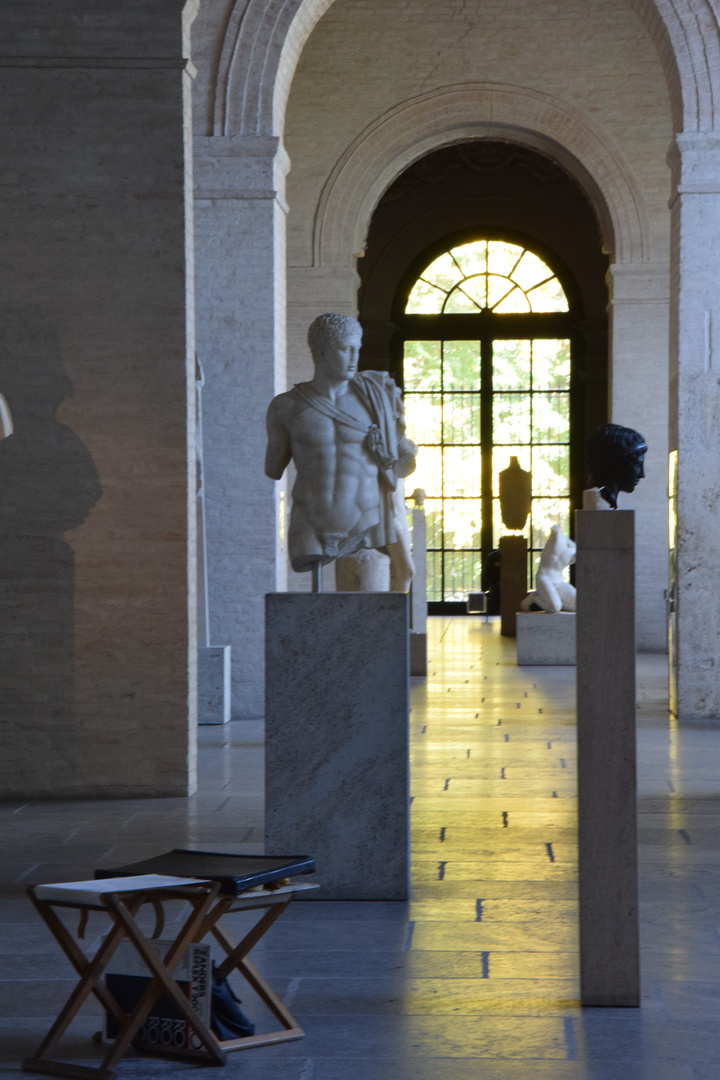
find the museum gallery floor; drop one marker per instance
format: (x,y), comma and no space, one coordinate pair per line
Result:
(477,976)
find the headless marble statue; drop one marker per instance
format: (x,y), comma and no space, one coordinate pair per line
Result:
(346,433)
(552,592)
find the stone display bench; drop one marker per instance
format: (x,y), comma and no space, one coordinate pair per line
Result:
(545,639)
(336,739)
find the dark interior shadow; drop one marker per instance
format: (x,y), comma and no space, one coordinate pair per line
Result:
(48,485)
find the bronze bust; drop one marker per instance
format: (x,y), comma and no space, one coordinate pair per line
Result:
(615,458)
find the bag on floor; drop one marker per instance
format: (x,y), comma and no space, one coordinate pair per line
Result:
(228,1021)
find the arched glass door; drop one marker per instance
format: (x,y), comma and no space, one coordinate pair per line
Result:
(487,377)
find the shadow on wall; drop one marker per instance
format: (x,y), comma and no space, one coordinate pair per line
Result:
(48,485)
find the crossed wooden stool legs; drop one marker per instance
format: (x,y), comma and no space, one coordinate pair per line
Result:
(275,903)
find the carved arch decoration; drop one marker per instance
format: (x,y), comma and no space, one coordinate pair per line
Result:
(465,112)
(261,47)
(263,41)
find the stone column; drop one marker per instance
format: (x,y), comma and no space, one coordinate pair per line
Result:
(639,327)
(240,215)
(97,592)
(695,417)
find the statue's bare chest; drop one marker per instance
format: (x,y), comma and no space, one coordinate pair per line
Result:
(321,426)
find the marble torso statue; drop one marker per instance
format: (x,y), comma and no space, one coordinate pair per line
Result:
(345,432)
(552,592)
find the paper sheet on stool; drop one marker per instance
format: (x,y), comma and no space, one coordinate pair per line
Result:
(89,892)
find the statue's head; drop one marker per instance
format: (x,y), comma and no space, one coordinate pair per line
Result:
(615,457)
(330,336)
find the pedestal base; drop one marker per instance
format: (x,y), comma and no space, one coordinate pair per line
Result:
(544,639)
(336,739)
(513,581)
(418,654)
(418,588)
(214,692)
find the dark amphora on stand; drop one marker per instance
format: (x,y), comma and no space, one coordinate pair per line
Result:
(515,494)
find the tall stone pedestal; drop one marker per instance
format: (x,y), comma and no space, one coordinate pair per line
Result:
(418,594)
(214,684)
(513,581)
(418,653)
(607,788)
(336,739)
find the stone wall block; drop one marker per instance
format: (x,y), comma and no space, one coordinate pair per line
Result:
(93,361)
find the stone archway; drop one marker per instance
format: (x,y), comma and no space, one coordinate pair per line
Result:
(460,113)
(261,46)
(263,42)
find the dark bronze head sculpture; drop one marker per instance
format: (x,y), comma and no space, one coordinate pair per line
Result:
(615,457)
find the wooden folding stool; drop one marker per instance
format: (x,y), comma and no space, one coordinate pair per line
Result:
(121,899)
(247,882)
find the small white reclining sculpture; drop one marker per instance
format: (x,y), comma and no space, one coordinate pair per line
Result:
(552,592)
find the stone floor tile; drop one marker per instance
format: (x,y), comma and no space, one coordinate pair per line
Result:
(438,1068)
(39,997)
(394,992)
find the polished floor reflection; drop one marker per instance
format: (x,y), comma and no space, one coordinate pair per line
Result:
(477,976)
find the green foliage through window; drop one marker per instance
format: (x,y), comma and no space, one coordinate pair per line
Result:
(529,418)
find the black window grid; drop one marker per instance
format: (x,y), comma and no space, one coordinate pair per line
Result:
(487,447)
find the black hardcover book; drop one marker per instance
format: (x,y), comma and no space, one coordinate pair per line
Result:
(236,873)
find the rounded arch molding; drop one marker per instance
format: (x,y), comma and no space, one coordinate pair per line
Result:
(263,41)
(463,113)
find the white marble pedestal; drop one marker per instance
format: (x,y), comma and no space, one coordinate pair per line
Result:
(418,594)
(336,739)
(546,639)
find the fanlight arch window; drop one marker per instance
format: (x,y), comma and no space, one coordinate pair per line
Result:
(487,275)
(487,378)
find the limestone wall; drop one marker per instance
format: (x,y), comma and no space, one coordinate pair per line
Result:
(97,660)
